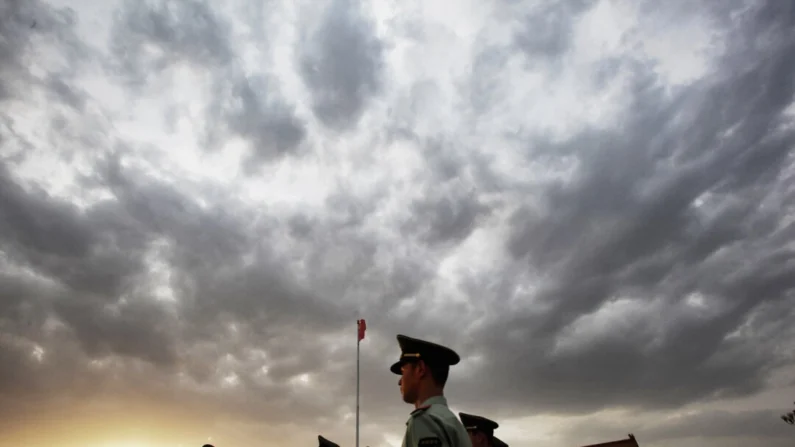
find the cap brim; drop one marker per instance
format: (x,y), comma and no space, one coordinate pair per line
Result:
(395,368)
(482,423)
(431,351)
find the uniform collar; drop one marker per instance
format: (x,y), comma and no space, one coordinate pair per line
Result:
(435,400)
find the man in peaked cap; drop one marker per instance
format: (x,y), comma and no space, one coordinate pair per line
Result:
(323,442)
(480,429)
(423,368)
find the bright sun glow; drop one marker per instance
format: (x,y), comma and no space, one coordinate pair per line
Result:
(122,444)
(126,444)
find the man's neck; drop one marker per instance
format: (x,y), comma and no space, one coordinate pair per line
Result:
(424,396)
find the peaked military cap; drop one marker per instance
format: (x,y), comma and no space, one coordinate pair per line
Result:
(431,353)
(323,442)
(478,423)
(497,442)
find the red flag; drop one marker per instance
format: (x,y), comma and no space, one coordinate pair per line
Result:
(362,328)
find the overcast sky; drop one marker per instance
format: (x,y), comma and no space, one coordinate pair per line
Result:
(592,202)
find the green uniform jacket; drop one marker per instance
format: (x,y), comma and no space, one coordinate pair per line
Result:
(434,425)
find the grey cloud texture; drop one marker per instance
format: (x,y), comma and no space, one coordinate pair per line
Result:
(341,64)
(155,36)
(546,29)
(730,428)
(629,223)
(149,41)
(654,276)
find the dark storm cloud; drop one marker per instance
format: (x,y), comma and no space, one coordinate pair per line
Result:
(55,238)
(94,263)
(223,251)
(20,23)
(546,29)
(27,27)
(627,225)
(137,328)
(702,427)
(44,362)
(273,310)
(760,424)
(447,213)
(92,259)
(150,39)
(453,205)
(266,295)
(341,64)
(21,314)
(252,108)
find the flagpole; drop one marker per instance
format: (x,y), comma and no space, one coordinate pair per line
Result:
(358,342)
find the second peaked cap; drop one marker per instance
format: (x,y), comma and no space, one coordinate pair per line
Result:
(478,423)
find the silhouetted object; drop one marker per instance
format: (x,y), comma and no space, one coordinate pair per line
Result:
(629,442)
(207,445)
(480,429)
(361,328)
(478,423)
(497,442)
(423,368)
(413,349)
(323,442)
(789,418)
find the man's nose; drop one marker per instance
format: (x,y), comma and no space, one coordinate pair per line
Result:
(400,382)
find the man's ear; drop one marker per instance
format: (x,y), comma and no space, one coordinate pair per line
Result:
(422,368)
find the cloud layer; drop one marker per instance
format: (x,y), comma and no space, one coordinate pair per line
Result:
(591,202)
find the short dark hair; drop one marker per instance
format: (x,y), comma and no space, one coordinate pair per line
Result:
(439,373)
